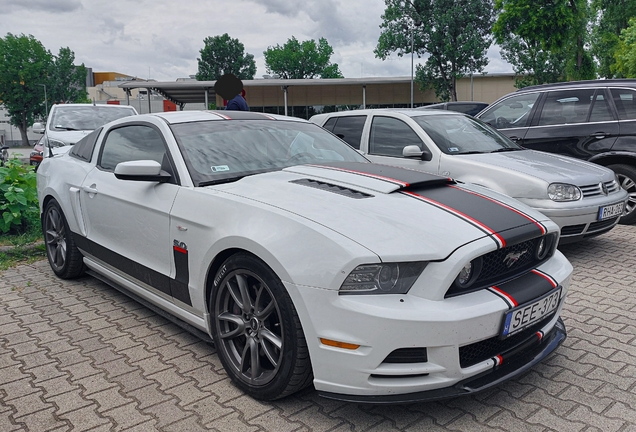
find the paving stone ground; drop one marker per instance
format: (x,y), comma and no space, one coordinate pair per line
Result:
(78,355)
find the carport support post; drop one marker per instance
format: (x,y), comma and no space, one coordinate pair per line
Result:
(364,97)
(148,91)
(207,105)
(127,96)
(285,94)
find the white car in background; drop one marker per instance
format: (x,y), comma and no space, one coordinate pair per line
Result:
(69,123)
(583,198)
(375,283)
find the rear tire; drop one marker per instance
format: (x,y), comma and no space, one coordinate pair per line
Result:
(64,257)
(256,330)
(627,180)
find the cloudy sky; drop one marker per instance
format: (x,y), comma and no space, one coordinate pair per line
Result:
(161,39)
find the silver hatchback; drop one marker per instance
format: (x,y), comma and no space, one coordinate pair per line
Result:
(583,198)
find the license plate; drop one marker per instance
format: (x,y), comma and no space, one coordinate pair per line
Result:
(525,315)
(610,211)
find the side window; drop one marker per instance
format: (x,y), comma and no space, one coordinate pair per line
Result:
(83,149)
(131,143)
(329,124)
(389,136)
(566,107)
(625,101)
(600,109)
(350,129)
(511,112)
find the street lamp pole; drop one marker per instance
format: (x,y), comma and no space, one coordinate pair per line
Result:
(46,101)
(412,37)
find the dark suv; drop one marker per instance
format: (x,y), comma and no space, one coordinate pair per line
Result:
(591,120)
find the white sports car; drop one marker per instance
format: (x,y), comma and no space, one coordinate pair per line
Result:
(304,262)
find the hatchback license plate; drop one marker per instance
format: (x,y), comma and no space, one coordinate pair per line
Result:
(610,211)
(524,316)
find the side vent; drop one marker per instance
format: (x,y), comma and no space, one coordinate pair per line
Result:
(328,187)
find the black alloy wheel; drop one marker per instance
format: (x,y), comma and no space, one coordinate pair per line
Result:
(256,330)
(64,257)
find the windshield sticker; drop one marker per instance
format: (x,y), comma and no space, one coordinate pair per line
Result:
(453,149)
(220,168)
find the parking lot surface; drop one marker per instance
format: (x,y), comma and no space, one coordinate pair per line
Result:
(79,355)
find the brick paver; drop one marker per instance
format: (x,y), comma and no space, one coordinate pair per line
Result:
(78,355)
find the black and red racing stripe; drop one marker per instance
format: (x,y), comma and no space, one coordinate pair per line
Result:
(524,289)
(502,222)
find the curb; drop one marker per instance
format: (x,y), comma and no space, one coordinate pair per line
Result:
(26,247)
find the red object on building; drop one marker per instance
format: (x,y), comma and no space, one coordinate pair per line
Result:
(112,102)
(169,106)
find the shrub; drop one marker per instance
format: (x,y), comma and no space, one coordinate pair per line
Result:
(19,210)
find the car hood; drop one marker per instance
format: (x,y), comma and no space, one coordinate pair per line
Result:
(68,137)
(548,167)
(398,214)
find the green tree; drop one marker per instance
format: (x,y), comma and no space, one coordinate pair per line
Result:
(454,33)
(613,17)
(544,40)
(24,64)
(66,82)
(221,55)
(307,59)
(625,53)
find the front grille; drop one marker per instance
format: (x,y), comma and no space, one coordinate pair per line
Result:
(340,190)
(596,226)
(595,190)
(472,354)
(407,355)
(572,229)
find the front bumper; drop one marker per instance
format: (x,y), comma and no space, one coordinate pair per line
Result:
(517,366)
(459,337)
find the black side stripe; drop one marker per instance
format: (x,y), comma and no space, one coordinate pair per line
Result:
(177,288)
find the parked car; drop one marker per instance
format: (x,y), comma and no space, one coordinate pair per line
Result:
(68,123)
(589,120)
(376,283)
(37,153)
(584,199)
(466,107)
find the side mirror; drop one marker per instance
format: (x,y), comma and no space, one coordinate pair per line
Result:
(38,128)
(414,152)
(141,170)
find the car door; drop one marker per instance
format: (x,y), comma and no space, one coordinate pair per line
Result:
(349,128)
(625,102)
(576,123)
(127,222)
(387,138)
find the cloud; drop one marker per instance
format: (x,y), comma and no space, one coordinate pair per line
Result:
(52,6)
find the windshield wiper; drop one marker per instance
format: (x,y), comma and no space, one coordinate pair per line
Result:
(221,181)
(66,128)
(505,149)
(468,152)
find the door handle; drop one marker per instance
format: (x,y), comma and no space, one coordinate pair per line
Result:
(514,138)
(90,189)
(599,135)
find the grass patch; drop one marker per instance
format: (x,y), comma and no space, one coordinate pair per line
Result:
(21,255)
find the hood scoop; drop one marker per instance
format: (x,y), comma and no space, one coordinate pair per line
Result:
(380,178)
(328,187)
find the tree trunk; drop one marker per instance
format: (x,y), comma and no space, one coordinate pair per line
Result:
(453,89)
(24,137)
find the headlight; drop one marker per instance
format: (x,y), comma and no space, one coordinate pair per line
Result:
(563,192)
(386,278)
(468,274)
(50,142)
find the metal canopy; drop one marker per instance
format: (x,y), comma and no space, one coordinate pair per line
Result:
(183,92)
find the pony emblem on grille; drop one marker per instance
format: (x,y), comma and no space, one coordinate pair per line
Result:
(512,258)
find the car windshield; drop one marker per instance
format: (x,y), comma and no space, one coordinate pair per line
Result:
(86,117)
(459,134)
(224,151)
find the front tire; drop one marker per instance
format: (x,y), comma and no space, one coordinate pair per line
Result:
(64,257)
(627,180)
(256,330)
